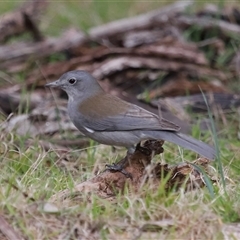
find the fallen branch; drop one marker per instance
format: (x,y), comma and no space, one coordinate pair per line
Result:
(22,51)
(139,22)
(196,103)
(114,65)
(180,84)
(162,51)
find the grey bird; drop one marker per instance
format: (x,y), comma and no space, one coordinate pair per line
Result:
(109,120)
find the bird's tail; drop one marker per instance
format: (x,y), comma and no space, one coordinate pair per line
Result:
(184,141)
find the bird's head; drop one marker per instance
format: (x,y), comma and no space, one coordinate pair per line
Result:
(77,83)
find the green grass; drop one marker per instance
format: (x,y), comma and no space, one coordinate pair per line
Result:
(164,215)
(28,171)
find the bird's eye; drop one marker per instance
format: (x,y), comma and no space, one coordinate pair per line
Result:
(72,81)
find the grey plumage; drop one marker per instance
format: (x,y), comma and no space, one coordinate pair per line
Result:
(185,141)
(112,121)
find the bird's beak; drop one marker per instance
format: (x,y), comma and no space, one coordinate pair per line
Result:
(53,84)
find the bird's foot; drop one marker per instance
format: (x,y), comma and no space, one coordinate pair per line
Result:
(118,167)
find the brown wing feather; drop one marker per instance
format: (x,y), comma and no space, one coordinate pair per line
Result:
(113,114)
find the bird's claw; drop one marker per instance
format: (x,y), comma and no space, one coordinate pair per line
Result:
(115,167)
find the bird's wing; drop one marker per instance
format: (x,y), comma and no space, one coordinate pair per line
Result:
(110,113)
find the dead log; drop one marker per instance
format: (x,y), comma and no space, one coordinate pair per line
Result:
(136,172)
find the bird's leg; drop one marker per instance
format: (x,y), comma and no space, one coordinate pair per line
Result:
(159,112)
(119,167)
